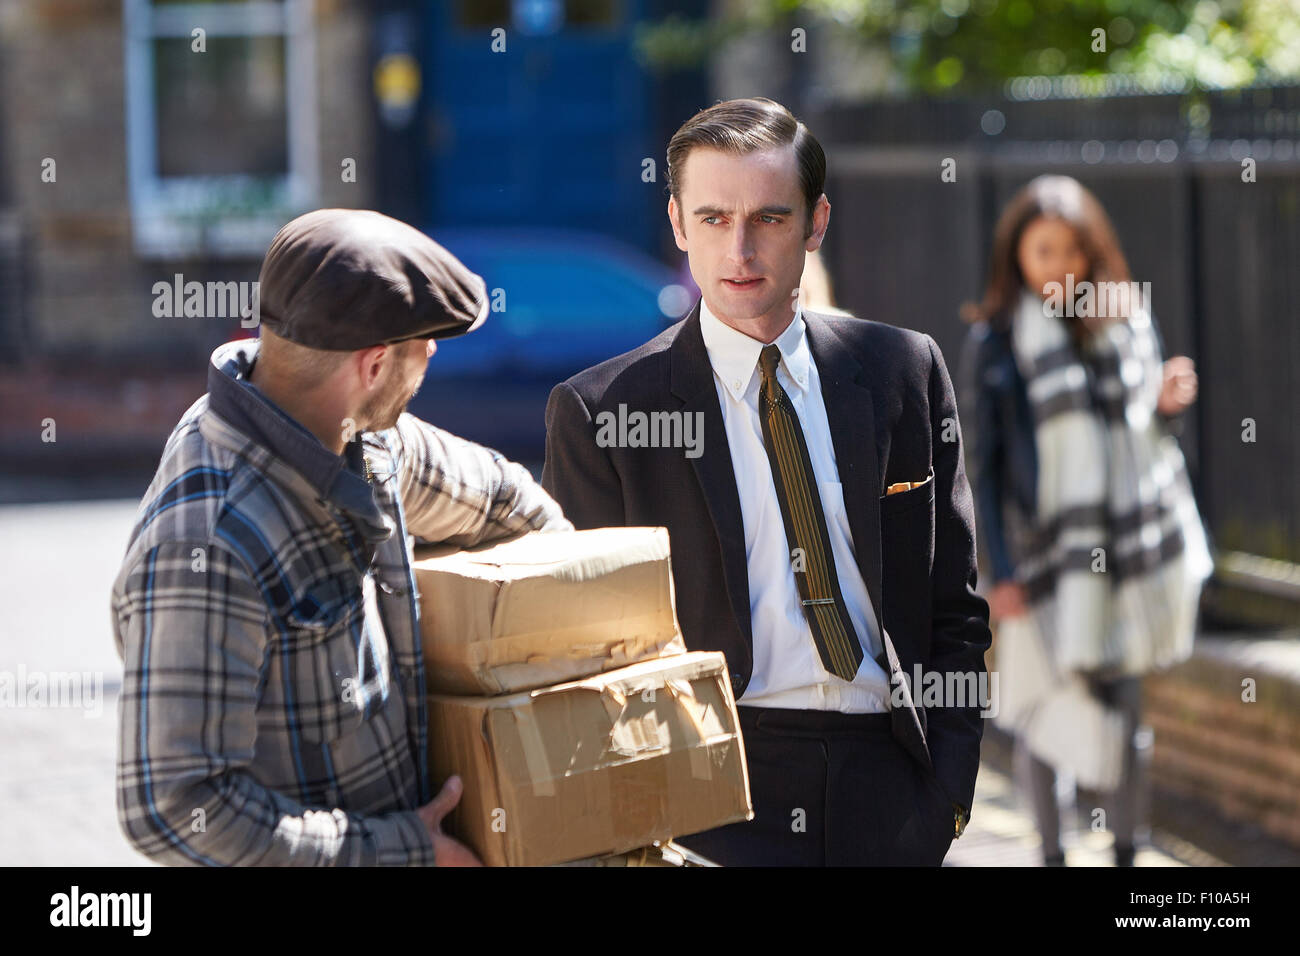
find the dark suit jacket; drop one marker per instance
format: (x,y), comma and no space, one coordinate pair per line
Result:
(888,397)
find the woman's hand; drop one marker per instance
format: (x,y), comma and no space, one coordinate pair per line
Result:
(1178,390)
(1007,599)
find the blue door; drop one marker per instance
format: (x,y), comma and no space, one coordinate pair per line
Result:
(550,132)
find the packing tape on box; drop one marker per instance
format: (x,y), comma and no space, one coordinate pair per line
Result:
(684,694)
(615,702)
(648,642)
(530,738)
(539,768)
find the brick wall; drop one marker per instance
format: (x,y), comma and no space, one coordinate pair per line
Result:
(62,95)
(1240,757)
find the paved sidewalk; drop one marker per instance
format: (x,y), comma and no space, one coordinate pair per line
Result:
(1002,833)
(57,799)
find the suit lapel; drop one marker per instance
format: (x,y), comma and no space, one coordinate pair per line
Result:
(691,380)
(851,415)
(850,411)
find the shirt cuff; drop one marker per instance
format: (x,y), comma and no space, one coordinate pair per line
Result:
(397,839)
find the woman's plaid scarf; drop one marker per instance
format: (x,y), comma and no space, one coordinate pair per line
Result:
(1117,553)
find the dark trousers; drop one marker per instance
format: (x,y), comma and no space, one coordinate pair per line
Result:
(831,789)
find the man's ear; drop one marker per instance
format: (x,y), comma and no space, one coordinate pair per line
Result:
(678,235)
(821,219)
(370,364)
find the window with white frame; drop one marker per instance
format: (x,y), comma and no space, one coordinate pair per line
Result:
(221,123)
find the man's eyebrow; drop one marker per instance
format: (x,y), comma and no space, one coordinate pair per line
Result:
(765,211)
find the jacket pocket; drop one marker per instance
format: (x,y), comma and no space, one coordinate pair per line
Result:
(907,562)
(912,498)
(335,664)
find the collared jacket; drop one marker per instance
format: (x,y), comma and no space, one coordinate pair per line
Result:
(273,698)
(1001,447)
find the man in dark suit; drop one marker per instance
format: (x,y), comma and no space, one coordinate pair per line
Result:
(809,471)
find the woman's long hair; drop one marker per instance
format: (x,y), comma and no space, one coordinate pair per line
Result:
(1059,197)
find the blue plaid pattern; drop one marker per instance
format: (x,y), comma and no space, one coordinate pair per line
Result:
(272,708)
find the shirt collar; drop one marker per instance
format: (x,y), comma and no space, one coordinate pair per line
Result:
(338,479)
(734,355)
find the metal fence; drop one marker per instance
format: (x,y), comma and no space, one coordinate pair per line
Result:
(12,338)
(1220,253)
(12,319)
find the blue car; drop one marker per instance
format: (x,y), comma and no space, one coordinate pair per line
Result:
(562,301)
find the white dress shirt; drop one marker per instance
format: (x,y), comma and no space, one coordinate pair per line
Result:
(788,671)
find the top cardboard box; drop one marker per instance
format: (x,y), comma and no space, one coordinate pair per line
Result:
(544,608)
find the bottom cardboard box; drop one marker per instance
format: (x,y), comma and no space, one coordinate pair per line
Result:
(595,767)
(658,854)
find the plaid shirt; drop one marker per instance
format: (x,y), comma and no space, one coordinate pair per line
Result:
(272,708)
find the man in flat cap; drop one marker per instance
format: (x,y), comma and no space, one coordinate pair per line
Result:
(272,708)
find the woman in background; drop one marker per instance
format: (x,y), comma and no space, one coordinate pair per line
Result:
(1085,511)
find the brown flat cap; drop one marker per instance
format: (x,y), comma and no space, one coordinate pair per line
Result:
(347,279)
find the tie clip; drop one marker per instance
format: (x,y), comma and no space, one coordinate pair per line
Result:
(818,601)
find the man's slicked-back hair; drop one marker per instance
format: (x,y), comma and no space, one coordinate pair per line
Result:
(746,126)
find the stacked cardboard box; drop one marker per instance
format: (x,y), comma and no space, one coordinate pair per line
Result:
(565,700)
(545,608)
(657,854)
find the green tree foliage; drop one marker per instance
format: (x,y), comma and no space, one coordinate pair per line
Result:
(963,46)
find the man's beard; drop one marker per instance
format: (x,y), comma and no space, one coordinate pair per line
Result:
(386,408)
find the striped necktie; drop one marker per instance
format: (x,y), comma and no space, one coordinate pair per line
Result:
(805,525)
